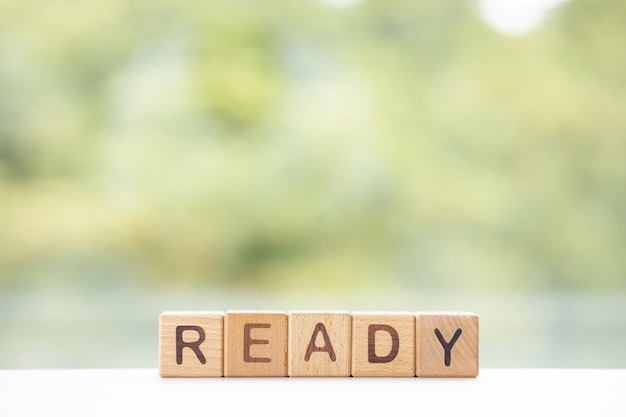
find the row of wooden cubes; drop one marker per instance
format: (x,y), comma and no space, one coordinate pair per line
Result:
(317,344)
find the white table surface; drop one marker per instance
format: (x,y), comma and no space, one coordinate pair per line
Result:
(141,392)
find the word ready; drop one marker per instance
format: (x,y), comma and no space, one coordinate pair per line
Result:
(317,343)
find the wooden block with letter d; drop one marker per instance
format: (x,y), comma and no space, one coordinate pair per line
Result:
(383,344)
(319,343)
(191,344)
(447,344)
(255,343)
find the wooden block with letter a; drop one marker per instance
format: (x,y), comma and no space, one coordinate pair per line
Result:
(383,344)
(319,343)
(255,343)
(191,344)
(447,344)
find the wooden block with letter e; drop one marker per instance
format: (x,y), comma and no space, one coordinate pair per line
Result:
(447,344)
(319,343)
(255,343)
(383,344)
(191,344)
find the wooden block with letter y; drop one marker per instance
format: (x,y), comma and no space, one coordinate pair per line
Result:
(447,344)
(191,344)
(255,343)
(383,344)
(319,343)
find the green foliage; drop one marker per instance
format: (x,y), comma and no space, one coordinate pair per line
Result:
(296,145)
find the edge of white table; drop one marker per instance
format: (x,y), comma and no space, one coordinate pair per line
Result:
(502,392)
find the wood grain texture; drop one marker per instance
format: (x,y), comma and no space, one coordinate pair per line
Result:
(255,344)
(447,344)
(383,344)
(191,344)
(319,343)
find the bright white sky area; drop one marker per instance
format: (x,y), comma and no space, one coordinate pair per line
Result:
(511,17)
(516,17)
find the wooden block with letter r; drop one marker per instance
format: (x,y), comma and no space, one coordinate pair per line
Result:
(319,343)
(383,344)
(255,343)
(447,344)
(191,343)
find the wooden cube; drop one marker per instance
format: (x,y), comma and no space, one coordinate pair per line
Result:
(255,343)
(319,343)
(447,344)
(383,344)
(191,344)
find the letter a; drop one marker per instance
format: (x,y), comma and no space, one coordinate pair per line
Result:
(328,347)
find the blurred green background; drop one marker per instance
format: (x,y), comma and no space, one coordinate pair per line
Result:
(318,154)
